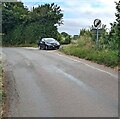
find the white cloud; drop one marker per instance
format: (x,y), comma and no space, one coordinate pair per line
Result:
(84,14)
(73,26)
(81,13)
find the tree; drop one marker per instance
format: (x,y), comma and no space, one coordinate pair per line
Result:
(23,26)
(118,20)
(66,38)
(49,15)
(13,13)
(114,36)
(118,28)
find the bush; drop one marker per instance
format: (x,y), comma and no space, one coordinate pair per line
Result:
(85,48)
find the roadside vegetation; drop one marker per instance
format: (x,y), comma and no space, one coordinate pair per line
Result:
(106,51)
(2,94)
(85,47)
(23,27)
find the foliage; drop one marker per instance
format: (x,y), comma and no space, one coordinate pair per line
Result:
(114,36)
(21,26)
(2,93)
(66,38)
(12,15)
(85,48)
(106,52)
(84,32)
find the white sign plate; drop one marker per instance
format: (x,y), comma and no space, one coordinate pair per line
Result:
(97,23)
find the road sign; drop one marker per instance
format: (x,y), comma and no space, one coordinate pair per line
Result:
(96,30)
(97,23)
(100,31)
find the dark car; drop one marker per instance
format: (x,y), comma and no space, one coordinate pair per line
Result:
(48,43)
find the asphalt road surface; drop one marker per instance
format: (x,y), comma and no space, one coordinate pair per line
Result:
(50,84)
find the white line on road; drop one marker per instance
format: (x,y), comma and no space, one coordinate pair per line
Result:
(115,76)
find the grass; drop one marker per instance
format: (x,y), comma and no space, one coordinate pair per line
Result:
(85,48)
(0,80)
(22,45)
(1,91)
(28,45)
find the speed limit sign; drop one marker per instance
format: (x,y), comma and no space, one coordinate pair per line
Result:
(97,23)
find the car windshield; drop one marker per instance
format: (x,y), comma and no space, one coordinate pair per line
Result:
(49,40)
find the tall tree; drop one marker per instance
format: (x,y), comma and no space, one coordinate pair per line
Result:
(13,13)
(118,19)
(114,36)
(23,26)
(47,16)
(50,13)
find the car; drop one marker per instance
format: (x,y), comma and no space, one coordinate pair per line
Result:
(48,43)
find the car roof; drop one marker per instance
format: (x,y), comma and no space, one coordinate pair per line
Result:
(43,39)
(48,38)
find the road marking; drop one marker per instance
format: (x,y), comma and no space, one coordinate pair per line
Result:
(90,66)
(96,94)
(115,76)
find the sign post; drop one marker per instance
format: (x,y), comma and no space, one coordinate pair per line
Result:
(97,37)
(97,24)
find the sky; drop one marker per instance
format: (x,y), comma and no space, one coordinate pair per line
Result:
(79,14)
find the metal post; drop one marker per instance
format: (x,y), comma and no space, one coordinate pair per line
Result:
(97,37)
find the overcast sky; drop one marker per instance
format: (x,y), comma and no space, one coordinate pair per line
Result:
(80,14)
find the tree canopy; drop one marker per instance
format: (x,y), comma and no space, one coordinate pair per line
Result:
(114,36)
(24,26)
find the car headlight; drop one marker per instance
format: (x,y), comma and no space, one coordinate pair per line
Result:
(58,43)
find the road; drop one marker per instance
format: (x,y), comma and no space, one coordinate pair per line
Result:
(50,84)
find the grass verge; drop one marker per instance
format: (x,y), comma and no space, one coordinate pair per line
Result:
(106,56)
(1,90)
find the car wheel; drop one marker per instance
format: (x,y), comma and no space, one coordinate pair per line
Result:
(39,47)
(46,47)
